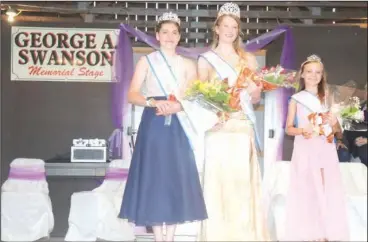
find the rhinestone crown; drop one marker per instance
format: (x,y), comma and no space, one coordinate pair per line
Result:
(229,8)
(169,17)
(312,58)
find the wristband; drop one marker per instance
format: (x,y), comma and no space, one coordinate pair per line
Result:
(150,102)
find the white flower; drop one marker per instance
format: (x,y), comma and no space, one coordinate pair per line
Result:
(359,116)
(355,102)
(319,120)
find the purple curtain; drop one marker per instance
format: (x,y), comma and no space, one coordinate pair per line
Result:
(123,71)
(124,67)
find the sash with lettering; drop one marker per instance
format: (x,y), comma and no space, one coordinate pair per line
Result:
(225,70)
(194,120)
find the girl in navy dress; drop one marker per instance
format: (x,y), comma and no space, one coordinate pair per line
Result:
(163,186)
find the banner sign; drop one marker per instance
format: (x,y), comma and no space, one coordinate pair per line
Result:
(63,54)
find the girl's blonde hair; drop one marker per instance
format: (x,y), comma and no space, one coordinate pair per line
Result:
(238,42)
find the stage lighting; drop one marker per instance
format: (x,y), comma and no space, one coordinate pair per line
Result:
(11,14)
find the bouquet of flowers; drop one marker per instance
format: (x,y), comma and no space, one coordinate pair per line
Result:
(320,127)
(348,112)
(352,111)
(219,97)
(276,77)
(344,101)
(211,95)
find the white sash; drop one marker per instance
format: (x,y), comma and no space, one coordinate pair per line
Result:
(308,100)
(194,120)
(313,104)
(222,68)
(225,70)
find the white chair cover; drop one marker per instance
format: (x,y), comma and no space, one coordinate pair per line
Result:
(26,210)
(189,231)
(354,175)
(275,185)
(94,214)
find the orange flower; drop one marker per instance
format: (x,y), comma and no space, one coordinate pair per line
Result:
(316,119)
(267,86)
(234,102)
(245,76)
(172,98)
(223,116)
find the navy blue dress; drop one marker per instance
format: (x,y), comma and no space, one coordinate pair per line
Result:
(163,184)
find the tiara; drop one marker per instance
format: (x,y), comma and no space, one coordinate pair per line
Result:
(229,8)
(169,17)
(313,58)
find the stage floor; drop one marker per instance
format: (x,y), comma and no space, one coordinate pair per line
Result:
(139,238)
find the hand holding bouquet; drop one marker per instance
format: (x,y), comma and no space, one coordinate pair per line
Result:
(220,97)
(249,81)
(320,126)
(211,95)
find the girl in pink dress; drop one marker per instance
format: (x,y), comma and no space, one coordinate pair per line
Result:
(315,205)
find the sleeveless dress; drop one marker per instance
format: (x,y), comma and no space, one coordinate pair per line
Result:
(163,185)
(232,181)
(313,210)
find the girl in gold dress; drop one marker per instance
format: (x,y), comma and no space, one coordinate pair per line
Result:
(231,177)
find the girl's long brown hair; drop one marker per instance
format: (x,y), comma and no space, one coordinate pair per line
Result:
(322,85)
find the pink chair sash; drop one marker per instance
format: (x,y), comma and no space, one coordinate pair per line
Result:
(120,174)
(26,174)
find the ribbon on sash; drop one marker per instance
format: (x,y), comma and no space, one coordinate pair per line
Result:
(225,70)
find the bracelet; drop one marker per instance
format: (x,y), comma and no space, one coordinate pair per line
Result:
(150,102)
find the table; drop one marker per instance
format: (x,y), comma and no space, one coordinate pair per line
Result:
(69,169)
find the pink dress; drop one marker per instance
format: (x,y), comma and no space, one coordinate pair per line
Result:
(315,211)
